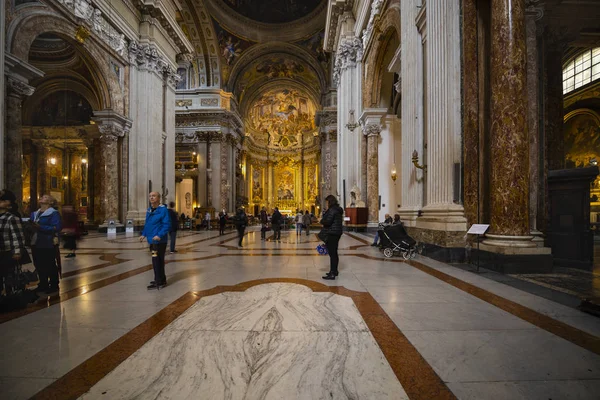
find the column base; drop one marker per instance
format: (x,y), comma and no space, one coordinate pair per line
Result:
(513,255)
(103,228)
(443,217)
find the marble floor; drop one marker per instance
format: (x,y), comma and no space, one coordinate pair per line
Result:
(260,323)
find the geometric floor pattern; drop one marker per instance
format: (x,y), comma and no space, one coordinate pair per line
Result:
(259,322)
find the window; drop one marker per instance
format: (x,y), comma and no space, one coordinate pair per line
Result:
(581,70)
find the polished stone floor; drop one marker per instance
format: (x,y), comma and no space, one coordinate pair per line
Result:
(259,322)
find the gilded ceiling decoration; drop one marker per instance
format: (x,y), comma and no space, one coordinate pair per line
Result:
(273,11)
(282,119)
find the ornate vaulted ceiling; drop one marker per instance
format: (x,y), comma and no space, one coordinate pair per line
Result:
(272,11)
(266,52)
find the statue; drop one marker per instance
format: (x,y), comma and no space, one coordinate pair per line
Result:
(355,200)
(83,9)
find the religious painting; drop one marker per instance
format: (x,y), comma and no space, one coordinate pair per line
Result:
(273,11)
(182,84)
(285,184)
(53,182)
(315,45)
(275,66)
(257,192)
(280,118)
(63,108)
(230,46)
(279,68)
(582,139)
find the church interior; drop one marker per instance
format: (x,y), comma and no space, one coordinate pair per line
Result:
(475,122)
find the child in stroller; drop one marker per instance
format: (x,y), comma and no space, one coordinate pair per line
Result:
(394,239)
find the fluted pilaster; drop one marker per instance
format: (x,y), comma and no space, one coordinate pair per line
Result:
(412,109)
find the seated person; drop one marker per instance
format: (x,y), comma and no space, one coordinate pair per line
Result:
(388,220)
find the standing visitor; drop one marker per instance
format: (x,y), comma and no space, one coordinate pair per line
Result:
(264,220)
(70,229)
(207,220)
(156,230)
(46,225)
(241,221)
(222,222)
(306,221)
(276,220)
(12,242)
(332,222)
(298,221)
(174,227)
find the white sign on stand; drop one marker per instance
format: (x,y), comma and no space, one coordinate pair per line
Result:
(478,229)
(129,226)
(112,228)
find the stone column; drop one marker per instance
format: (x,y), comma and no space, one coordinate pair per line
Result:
(112,127)
(533,15)
(302,180)
(33,176)
(17,90)
(554,45)
(2,95)
(108,192)
(372,132)
(223,170)
(208,172)
(509,222)
(347,76)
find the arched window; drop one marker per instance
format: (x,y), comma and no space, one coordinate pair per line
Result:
(581,70)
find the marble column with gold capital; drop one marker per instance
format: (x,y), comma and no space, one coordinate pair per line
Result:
(17,91)
(372,132)
(107,189)
(509,221)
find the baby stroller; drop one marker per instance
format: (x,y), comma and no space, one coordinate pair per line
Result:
(394,239)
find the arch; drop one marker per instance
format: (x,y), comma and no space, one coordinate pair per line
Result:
(33,22)
(266,49)
(583,111)
(275,84)
(386,31)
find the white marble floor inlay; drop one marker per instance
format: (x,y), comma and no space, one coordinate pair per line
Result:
(273,341)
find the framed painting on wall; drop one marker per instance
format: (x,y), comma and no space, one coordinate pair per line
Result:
(54,182)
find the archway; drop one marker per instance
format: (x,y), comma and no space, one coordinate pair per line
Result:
(58,128)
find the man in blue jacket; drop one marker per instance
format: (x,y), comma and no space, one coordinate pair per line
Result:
(156,231)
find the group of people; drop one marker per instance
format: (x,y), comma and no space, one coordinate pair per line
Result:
(45,226)
(387,221)
(302,221)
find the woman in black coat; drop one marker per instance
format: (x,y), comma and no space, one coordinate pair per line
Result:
(332,222)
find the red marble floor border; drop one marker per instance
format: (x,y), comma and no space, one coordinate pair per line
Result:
(576,336)
(417,377)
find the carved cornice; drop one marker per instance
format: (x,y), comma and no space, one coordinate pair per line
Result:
(376,7)
(349,52)
(156,10)
(93,19)
(146,57)
(19,88)
(534,8)
(336,12)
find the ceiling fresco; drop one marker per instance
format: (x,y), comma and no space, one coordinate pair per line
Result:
(273,11)
(231,48)
(275,66)
(282,119)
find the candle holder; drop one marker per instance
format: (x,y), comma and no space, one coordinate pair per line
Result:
(415,161)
